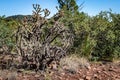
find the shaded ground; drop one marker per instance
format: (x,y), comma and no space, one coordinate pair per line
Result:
(96,71)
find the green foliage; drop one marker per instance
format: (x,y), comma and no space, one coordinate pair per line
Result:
(7,28)
(116,32)
(69,5)
(97,37)
(106,48)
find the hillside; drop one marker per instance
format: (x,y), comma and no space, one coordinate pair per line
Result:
(17,17)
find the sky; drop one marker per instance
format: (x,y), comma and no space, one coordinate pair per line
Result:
(24,7)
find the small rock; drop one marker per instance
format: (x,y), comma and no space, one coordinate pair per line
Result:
(95,76)
(1,78)
(88,67)
(94,68)
(87,78)
(98,71)
(60,78)
(37,75)
(63,73)
(104,69)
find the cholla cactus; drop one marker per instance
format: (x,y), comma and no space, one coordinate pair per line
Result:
(40,43)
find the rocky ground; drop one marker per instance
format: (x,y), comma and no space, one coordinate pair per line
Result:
(96,71)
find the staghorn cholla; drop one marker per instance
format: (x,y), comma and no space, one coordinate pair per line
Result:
(39,43)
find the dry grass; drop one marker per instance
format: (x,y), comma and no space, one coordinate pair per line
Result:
(73,62)
(3,74)
(6,75)
(12,76)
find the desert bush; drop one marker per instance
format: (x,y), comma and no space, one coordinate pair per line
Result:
(40,43)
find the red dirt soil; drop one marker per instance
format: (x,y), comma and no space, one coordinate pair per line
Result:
(96,71)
